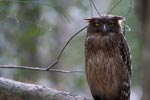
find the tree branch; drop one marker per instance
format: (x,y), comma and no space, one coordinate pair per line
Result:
(39,69)
(13,90)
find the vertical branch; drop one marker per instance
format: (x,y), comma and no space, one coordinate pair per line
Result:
(143,9)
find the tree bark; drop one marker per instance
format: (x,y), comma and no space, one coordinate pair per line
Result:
(13,90)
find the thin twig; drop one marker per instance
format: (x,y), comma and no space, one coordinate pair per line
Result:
(91,8)
(95,8)
(129,10)
(58,58)
(39,69)
(114,6)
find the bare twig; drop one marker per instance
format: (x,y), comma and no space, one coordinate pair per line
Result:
(91,8)
(114,6)
(130,8)
(95,8)
(39,69)
(58,58)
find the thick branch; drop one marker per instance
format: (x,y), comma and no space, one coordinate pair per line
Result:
(12,90)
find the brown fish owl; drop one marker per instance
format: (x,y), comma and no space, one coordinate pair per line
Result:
(108,63)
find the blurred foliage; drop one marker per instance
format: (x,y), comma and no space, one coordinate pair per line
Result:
(33,32)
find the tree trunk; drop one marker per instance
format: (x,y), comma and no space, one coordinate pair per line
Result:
(143,11)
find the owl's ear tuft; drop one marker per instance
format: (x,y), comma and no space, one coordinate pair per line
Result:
(88,19)
(118,18)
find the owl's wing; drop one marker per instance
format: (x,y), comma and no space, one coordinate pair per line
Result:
(125,53)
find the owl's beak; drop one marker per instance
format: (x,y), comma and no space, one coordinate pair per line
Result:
(104,29)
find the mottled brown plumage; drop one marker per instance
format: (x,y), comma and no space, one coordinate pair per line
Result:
(107,58)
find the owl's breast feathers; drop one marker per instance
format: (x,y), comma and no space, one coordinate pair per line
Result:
(108,66)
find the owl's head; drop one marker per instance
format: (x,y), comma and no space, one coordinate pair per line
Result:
(105,24)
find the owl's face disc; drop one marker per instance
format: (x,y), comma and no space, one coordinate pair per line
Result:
(105,24)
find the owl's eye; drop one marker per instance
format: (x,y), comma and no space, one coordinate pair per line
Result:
(111,24)
(97,24)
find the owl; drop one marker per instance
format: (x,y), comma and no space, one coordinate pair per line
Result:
(107,58)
